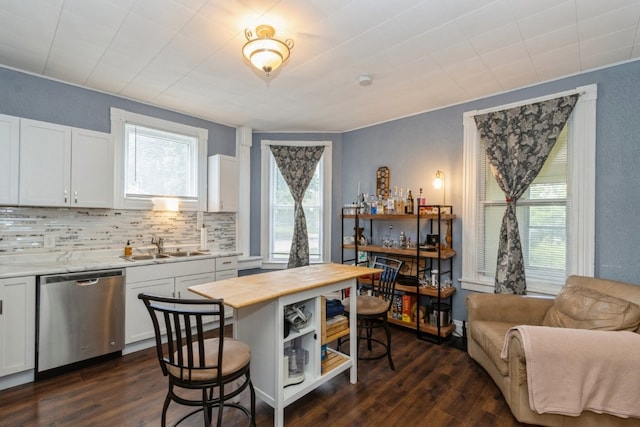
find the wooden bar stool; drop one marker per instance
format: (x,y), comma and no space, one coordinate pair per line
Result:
(371,310)
(218,367)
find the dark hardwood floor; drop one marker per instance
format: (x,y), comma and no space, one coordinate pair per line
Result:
(432,386)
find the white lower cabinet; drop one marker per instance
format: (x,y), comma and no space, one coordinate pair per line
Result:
(17,324)
(226,267)
(172,280)
(138,325)
(183,282)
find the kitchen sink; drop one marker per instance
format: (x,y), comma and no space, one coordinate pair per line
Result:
(145,257)
(177,254)
(186,253)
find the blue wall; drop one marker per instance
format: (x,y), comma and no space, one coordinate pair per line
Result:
(415,147)
(32,97)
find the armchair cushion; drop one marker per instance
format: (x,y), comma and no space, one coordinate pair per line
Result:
(580,307)
(490,336)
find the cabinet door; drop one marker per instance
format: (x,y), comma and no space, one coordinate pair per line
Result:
(223,184)
(183,283)
(138,325)
(91,169)
(17,324)
(9,147)
(45,164)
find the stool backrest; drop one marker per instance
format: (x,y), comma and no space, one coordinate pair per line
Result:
(180,322)
(386,284)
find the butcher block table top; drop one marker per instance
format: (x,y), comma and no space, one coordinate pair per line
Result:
(243,291)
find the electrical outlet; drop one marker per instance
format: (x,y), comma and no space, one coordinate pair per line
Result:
(49,241)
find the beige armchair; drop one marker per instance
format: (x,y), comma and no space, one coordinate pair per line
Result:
(584,303)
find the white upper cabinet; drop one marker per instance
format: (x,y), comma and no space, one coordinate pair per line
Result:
(91,169)
(10,149)
(64,166)
(45,163)
(223,183)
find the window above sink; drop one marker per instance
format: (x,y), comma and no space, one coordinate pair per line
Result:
(158,159)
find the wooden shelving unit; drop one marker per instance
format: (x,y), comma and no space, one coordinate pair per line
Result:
(444,253)
(438,258)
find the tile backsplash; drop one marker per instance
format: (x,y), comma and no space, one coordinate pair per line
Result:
(23,230)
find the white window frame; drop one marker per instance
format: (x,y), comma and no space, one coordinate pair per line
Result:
(581,193)
(265,222)
(119,118)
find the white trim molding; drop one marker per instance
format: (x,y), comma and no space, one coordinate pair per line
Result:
(581,232)
(265,191)
(118,120)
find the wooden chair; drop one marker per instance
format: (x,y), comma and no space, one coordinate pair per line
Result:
(371,310)
(217,367)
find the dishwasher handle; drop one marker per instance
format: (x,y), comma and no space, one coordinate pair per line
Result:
(89,282)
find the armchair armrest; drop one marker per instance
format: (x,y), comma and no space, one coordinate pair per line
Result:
(517,309)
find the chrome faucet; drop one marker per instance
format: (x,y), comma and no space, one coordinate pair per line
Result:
(159,242)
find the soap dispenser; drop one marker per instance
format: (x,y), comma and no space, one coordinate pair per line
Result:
(128,251)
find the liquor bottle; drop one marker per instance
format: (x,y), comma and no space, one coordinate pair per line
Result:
(421,202)
(409,204)
(399,203)
(391,202)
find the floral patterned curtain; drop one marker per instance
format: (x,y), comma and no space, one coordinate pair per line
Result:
(297,166)
(517,143)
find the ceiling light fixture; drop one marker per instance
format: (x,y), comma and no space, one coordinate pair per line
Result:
(263,51)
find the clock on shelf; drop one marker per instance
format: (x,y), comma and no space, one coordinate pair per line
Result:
(382,182)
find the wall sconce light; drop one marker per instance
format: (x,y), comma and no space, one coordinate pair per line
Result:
(438,183)
(263,51)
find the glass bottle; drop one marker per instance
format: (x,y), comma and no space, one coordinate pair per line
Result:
(399,202)
(392,201)
(409,204)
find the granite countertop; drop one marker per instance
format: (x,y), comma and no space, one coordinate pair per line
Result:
(70,262)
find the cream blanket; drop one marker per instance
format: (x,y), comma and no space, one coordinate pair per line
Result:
(571,370)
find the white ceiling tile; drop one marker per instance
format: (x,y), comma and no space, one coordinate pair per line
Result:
(623,38)
(483,19)
(548,20)
(587,9)
(167,14)
(498,37)
(552,40)
(21,58)
(108,15)
(513,53)
(610,21)
(454,54)
(605,57)
(193,5)
(526,8)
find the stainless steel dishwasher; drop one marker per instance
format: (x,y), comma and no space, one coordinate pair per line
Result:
(80,317)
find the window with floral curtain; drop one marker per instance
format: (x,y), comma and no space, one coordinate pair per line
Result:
(517,142)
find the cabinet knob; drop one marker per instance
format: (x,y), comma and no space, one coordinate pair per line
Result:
(66,193)
(75,197)
(0,306)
